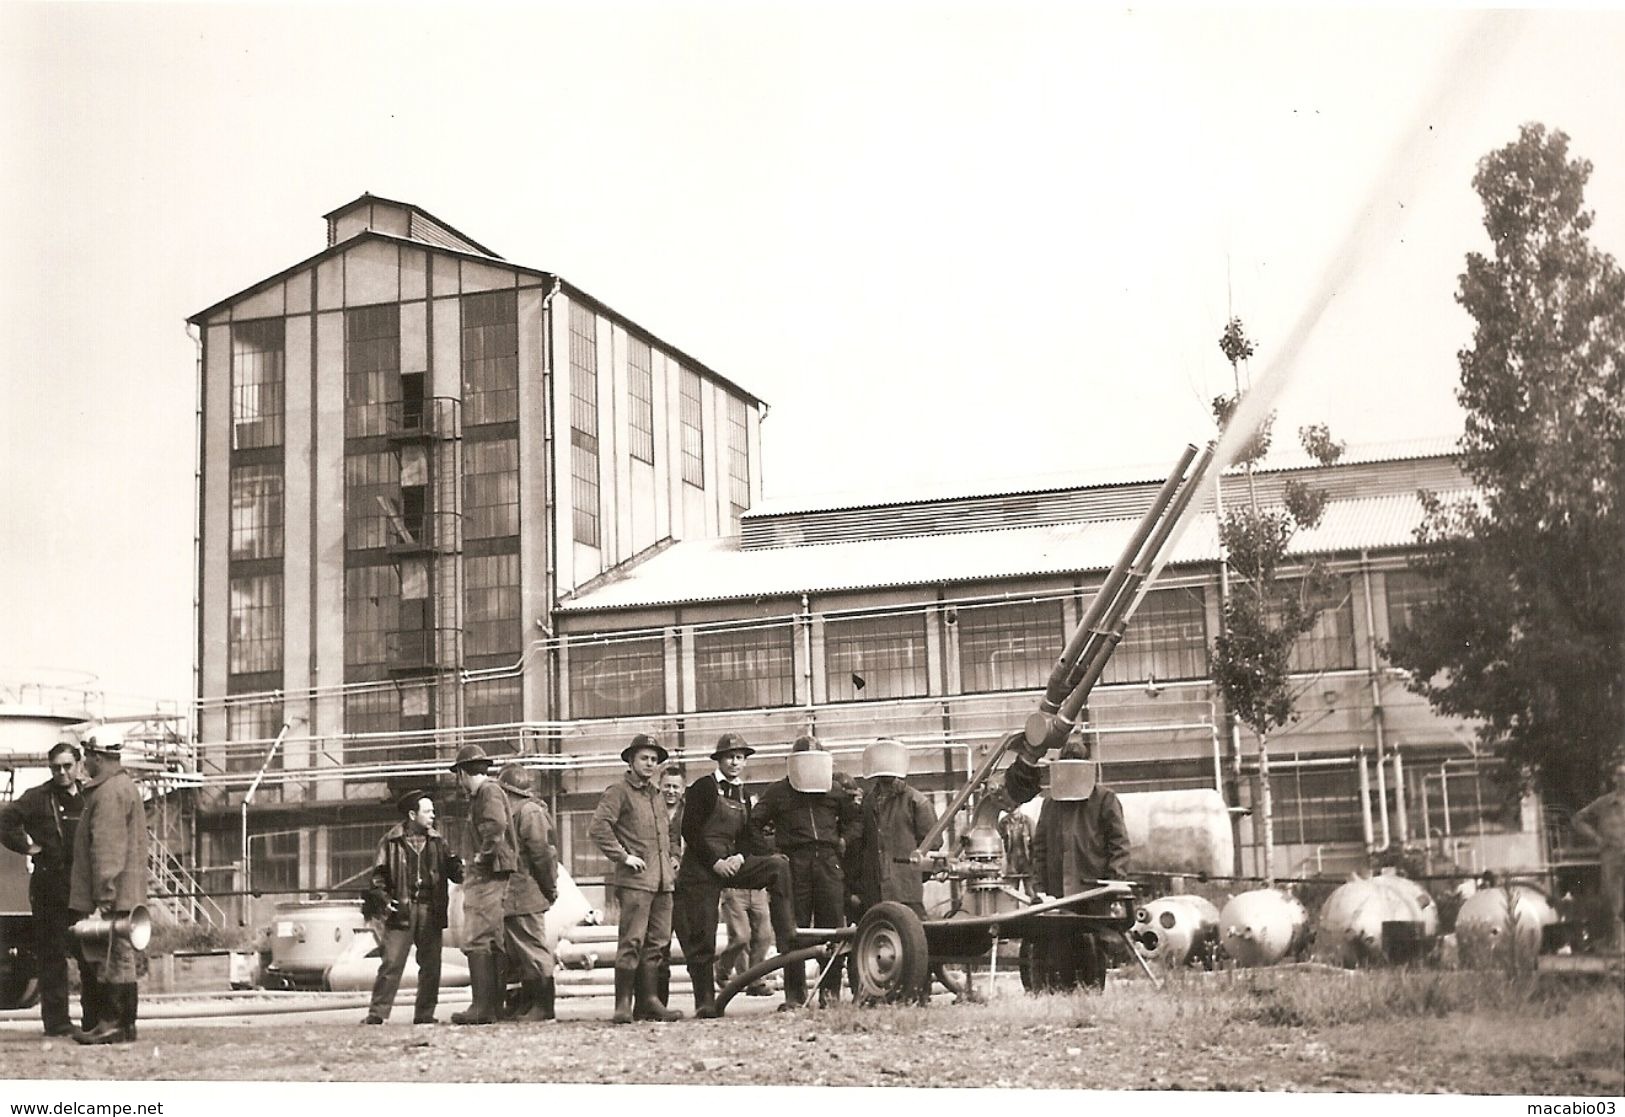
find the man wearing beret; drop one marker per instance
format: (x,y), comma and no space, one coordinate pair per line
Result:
(630,828)
(485,882)
(410,890)
(721,850)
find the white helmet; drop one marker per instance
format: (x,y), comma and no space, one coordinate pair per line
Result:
(1071,781)
(885,757)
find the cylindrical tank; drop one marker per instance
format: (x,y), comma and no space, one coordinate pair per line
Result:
(1499,925)
(1176,930)
(1350,930)
(1418,896)
(307,936)
(1261,927)
(1184,832)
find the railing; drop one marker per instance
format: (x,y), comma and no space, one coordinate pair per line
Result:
(181,894)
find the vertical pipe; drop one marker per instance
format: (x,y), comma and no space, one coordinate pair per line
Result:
(1444,797)
(1403,820)
(1365,802)
(1377,726)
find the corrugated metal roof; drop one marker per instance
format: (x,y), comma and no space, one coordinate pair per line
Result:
(718,570)
(1281,459)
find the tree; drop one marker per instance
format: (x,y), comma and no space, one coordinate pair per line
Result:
(1527,632)
(1264,614)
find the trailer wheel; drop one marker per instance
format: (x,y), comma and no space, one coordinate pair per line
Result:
(891,960)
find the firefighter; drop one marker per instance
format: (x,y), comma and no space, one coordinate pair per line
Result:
(1080,838)
(893,820)
(721,849)
(41,825)
(532,890)
(485,882)
(810,821)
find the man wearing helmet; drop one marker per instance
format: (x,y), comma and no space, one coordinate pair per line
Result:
(532,889)
(810,821)
(485,882)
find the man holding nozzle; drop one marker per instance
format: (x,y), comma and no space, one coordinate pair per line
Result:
(1080,838)
(722,849)
(810,820)
(893,820)
(40,824)
(109,879)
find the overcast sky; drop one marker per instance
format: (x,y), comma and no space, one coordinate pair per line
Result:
(944,242)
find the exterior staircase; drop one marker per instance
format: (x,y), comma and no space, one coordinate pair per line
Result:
(176,892)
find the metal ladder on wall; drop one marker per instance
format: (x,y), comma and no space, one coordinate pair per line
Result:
(446,574)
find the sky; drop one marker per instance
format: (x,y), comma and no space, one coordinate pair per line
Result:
(946,242)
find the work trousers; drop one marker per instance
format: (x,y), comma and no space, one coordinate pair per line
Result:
(645,927)
(524,941)
(482,914)
(697,900)
(1612,866)
(749,919)
(820,893)
(422,933)
(53,946)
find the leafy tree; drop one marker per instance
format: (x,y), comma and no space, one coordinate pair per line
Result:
(1264,614)
(1527,632)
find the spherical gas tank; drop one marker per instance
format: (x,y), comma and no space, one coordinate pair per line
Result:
(1261,927)
(1184,832)
(1496,925)
(1350,930)
(1176,930)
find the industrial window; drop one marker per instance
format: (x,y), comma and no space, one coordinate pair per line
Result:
(371,482)
(1408,590)
(257,400)
(744,670)
(251,728)
(584,423)
(617,678)
(275,861)
(256,511)
(875,657)
(371,711)
(351,850)
(255,634)
(372,602)
(1167,639)
(640,377)
(490,358)
(1329,645)
(1158,775)
(492,702)
(693,421)
(1009,646)
(1312,805)
(1459,798)
(372,367)
(491,488)
(738,456)
(491,605)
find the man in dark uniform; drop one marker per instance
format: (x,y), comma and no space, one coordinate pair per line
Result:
(1080,838)
(40,824)
(895,818)
(410,887)
(810,821)
(721,849)
(485,882)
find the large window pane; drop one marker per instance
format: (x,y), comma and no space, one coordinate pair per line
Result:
(257,400)
(875,657)
(372,367)
(1329,645)
(692,416)
(256,511)
(1167,639)
(372,489)
(491,489)
(744,670)
(584,423)
(372,602)
(738,457)
(490,358)
(1316,805)
(1408,590)
(491,605)
(617,678)
(492,702)
(252,727)
(640,377)
(255,637)
(1009,646)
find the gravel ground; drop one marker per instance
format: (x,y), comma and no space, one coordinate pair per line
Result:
(1132,1038)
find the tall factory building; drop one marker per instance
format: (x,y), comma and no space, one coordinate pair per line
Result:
(410,449)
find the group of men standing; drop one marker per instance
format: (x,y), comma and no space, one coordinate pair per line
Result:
(819,850)
(88,842)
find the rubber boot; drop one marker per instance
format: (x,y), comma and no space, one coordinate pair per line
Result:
(664,991)
(624,981)
(482,975)
(649,1005)
(537,995)
(795,986)
(127,1009)
(705,991)
(509,1000)
(110,1024)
